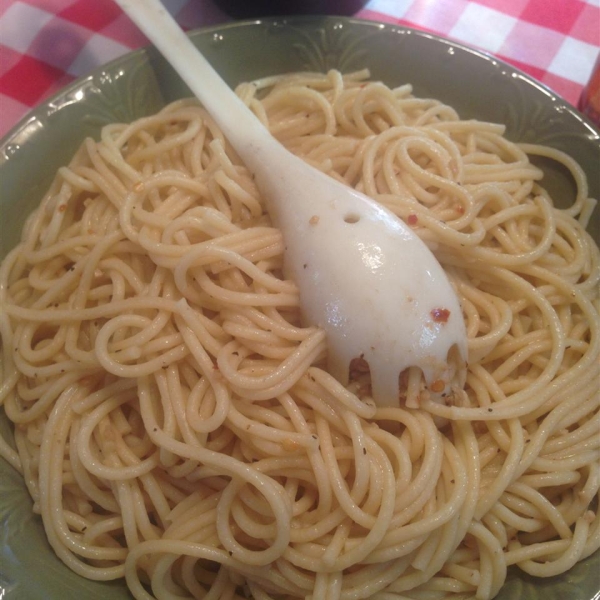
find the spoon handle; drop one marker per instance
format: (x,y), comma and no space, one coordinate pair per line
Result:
(239,125)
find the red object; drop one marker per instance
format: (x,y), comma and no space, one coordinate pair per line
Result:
(440,315)
(589,103)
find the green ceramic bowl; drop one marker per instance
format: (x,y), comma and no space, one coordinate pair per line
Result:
(138,84)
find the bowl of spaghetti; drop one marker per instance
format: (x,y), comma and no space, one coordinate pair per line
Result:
(169,427)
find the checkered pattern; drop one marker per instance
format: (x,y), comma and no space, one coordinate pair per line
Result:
(555,41)
(45,44)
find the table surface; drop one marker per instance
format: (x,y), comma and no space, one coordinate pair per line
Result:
(45,44)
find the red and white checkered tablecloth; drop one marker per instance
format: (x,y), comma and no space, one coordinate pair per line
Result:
(45,44)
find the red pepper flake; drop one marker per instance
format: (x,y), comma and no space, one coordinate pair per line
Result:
(412,219)
(437,386)
(440,315)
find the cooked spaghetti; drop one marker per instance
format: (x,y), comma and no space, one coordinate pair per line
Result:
(173,418)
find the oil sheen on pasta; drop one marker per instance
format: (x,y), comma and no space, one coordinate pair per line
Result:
(173,419)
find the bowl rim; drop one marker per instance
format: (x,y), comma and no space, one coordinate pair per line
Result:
(294,20)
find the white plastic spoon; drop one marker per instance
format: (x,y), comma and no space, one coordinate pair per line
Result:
(364,276)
